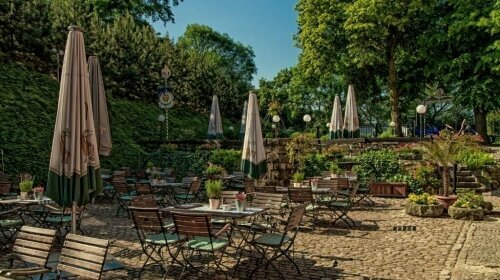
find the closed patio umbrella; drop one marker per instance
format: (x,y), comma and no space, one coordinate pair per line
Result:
(253,158)
(215,121)
(336,122)
(74,173)
(243,125)
(99,107)
(351,121)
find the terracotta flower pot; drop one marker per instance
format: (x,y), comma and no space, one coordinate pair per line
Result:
(447,201)
(214,203)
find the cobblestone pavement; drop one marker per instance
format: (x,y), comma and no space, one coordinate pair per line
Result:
(373,250)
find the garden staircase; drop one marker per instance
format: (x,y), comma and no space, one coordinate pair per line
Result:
(468,180)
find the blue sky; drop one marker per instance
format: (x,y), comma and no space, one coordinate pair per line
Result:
(265,25)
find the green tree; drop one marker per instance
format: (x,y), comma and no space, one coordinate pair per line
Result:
(473,67)
(208,63)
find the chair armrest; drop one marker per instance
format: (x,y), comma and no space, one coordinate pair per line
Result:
(24,271)
(223,229)
(259,226)
(52,207)
(10,211)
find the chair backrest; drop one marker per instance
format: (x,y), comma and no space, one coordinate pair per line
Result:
(239,174)
(327,184)
(228,197)
(118,176)
(272,201)
(192,224)
(186,181)
(143,188)
(33,245)
(194,187)
(5,187)
(121,187)
(127,170)
(146,219)
(249,186)
(300,195)
(295,217)
(340,183)
(140,174)
(354,191)
(326,174)
(266,189)
(83,256)
(144,201)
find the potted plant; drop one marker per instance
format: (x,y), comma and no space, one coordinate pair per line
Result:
(298,178)
(241,199)
(335,169)
(214,193)
(25,185)
(442,152)
(155,177)
(214,171)
(38,192)
(468,206)
(149,166)
(423,205)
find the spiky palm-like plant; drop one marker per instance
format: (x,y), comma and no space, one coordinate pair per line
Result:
(442,152)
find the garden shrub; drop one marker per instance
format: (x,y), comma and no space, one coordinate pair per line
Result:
(230,159)
(469,200)
(474,158)
(427,178)
(423,199)
(382,164)
(314,164)
(180,161)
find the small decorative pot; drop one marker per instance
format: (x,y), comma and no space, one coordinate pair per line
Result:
(24,195)
(297,185)
(214,203)
(447,201)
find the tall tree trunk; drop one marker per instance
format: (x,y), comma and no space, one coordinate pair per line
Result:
(480,123)
(393,93)
(446,181)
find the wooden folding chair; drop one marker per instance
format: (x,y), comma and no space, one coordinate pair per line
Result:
(32,246)
(280,242)
(191,195)
(10,223)
(123,196)
(341,207)
(198,229)
(83,256)
(298,196)
(154,237)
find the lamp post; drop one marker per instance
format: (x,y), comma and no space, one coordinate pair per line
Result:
(421,109)
(393,125)
(276,120)
(161,119)
(307,119)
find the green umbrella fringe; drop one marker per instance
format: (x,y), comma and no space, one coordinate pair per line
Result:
(335,134)
(80,189)
(254,170)
(351,134)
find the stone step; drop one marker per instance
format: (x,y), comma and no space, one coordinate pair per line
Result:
(466,179)
(464,173)
(470,185)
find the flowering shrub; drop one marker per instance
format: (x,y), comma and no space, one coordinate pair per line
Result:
(422,199)
(469,200)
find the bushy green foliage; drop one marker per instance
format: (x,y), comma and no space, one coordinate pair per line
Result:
(423,199)
(474,158)
(314,164)
(213,170)
(230,159)
(388,133)
(413,185)
(334,168)
(180,161)
(26,185)
(382,164)
(427,178)
(213,189)
(469,200)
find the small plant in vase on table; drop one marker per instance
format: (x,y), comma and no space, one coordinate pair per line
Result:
(298,179)
(214,193)
(241,199)
(38,192)
(25,185)
(335,169)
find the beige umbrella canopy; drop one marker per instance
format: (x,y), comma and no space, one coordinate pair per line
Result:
(99,107)
(74,172)
(336,122)
(253,158)
(215,121)
(351,121)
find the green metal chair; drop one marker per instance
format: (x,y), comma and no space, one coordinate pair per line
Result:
(123,196)
(10,223)
(154,237)
(197,228)
(341,207)
(191,195)
(280,243)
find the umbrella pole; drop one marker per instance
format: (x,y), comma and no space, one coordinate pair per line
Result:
(73,218)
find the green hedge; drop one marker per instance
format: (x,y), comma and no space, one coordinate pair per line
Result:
(28,104)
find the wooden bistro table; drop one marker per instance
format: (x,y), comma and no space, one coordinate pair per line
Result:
(167,190)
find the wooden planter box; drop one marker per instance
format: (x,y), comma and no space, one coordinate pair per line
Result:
(386,189)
